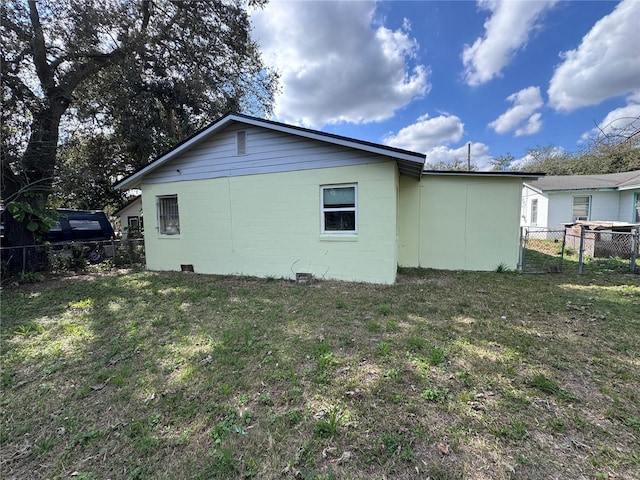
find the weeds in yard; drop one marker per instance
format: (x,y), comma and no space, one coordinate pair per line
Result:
(436,356)
(192,376)
(394,444)
(433,395)
(327,427)
(384,349)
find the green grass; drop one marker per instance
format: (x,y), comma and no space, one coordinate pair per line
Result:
(443,375)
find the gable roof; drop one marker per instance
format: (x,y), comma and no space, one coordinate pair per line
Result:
(137,198)
(409,163)
(605,181)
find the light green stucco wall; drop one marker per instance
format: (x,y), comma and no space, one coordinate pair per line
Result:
(459,223)
(269,225)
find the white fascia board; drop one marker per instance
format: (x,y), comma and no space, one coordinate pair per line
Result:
(531,187)
(629,187)
(583,191)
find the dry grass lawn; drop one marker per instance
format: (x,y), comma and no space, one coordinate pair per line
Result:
(445,375)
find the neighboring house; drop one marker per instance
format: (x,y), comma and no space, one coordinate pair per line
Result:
(256,197)
(130,216)
(553,201)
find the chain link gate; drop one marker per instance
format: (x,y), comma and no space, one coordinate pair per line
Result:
(542,251)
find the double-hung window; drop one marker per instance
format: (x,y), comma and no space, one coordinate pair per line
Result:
(581,207)
(339,208)
(168,216)
(636,216)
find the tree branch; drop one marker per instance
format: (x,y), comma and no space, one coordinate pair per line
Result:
(17,29)
(39,49)
(18,87)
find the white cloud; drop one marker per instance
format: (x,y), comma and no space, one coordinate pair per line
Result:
(336,64)
(522,116)
(534,124)
(617,121)
(427,133)
(480,157)
(432,135)
(506,31)
(605,65)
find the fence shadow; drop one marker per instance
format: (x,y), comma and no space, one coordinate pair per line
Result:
(577,250)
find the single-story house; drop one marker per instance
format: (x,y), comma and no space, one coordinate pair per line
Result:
(256,197)
(553,201)
(130,216)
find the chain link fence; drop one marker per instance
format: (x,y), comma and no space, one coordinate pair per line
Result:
(579,249)
(72,256)
(542,250)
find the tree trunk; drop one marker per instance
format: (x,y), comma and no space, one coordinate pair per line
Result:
(33,183)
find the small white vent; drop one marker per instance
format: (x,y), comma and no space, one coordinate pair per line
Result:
(241,143)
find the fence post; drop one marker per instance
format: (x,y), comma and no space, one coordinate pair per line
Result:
(564,244)
(581,252)
(634,249)
(24,259)
(523,244)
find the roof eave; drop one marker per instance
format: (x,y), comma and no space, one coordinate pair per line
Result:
(414,161)
(464,173)
(629,187)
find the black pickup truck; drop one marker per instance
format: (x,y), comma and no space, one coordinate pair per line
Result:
(82,226)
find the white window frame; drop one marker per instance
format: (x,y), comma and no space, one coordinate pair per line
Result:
(636,208)
(161,229)
(573,208)
(534,211)
(324,209)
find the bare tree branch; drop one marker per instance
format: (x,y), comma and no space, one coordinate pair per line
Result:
(39,48)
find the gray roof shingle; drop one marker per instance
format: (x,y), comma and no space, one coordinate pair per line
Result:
(612,181)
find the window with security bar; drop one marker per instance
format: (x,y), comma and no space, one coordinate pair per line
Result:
(168,215)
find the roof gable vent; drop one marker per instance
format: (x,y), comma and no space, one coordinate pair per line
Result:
(241,142)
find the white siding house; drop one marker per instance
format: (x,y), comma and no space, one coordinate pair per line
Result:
(130,216)
(553,201)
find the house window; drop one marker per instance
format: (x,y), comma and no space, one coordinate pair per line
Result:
(168,216)
(133,221)
(534,211)
(339,208)
(581,208)
(636,215)
(241,143)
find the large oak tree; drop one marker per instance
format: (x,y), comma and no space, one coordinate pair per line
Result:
(116,82)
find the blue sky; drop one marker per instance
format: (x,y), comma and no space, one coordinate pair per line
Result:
(433,76)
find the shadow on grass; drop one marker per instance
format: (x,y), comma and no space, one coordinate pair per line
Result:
(442,375)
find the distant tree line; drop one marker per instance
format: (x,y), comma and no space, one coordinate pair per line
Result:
(613,151)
